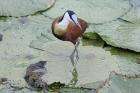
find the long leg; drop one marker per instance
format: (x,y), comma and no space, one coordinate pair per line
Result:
(76,46)
(72,57)
(75,53)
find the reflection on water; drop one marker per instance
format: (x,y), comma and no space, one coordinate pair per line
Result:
(75,77)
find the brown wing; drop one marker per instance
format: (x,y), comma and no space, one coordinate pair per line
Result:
(73,31)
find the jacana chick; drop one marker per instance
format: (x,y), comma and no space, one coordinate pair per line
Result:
(33,75)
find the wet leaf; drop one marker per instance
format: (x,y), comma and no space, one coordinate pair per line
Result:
(92,39)
(89,9)
(77,90)
(122,34)
(60,67)
(120,84)
(127,61)
(15,53)
(133,15)
(135,3)
(23,7)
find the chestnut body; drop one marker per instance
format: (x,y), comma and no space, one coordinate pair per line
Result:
(69,33)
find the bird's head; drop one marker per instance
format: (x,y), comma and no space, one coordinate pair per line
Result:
(71,17)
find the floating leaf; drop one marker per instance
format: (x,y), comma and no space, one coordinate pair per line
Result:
(133,15)
(120,84)
(127,62)
(135,3)
(93,11)
(122,33)
(60,67)
(77,90)
(23,7)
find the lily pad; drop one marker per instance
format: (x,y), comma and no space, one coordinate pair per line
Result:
(121,33)
(6,90)
(29,39)
(135,3)
(89,56)
(127,62)
(60,67)
(20,32)
(89,9)
(77,90)
(128,69)
(93,39)
(119,84)
(133,16)
(90,36)
(19,8)
(15,53)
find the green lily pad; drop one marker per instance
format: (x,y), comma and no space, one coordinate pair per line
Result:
(29,39)
(77,90)
(20,32)
(133,15)
(93,11)
(19,8)
(119,84)
(98,43)
(60,67)
(6,90)
(127,62)
(15,53)
(90,38)
(135,3)
(121,33)
(128,69)
(90,35)
(92,85)
(58,58)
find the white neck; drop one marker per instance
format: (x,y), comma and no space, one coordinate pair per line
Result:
(65,20)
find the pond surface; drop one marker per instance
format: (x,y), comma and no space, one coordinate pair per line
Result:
(109,58)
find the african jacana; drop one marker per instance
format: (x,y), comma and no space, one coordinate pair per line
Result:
(69,28)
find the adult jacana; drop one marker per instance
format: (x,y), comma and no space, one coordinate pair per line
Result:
(69,28)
